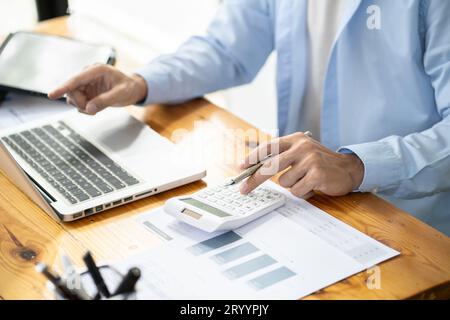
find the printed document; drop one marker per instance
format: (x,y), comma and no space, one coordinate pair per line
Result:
(287,254)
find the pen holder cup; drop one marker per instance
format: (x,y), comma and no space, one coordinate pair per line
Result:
(112,279)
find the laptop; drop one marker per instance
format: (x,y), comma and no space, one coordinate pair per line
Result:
(74,165)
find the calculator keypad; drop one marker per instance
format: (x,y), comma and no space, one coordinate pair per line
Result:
(229,199)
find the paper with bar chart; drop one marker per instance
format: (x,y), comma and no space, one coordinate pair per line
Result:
(288,254)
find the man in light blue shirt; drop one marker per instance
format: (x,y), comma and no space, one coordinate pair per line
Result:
(385,103)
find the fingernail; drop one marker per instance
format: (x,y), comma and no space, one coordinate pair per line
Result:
(91,108)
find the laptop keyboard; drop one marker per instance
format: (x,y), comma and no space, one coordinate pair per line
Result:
(76,168)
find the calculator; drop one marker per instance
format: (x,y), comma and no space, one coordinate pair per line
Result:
(223,207)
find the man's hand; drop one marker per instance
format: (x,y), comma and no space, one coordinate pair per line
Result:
(101,86)
(311,167)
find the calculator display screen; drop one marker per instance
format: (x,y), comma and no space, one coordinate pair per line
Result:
(206,207)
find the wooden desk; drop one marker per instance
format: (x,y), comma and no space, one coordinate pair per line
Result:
(28,235)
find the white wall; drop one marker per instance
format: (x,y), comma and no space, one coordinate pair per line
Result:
(148,28)
(17,15)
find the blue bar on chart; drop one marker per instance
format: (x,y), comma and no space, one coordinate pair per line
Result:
(214,243)
(270,278)
(234,253)
(250,266)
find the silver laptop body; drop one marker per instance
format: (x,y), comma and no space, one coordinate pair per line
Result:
(75,165)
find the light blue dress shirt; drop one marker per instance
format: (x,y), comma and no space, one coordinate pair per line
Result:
(386,93)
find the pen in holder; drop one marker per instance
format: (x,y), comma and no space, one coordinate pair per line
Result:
(113,279)
(97,282)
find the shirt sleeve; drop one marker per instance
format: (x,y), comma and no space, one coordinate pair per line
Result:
(235,47)
(417,165)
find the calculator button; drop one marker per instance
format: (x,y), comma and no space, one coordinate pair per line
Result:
(229,199)
(221,203)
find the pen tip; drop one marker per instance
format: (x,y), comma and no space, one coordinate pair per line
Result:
(229,183)
(87,255)
(136,272)
(40,267)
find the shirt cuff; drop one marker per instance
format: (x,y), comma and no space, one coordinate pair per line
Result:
(158,83)
(382,166)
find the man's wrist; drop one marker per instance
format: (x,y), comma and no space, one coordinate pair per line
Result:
(141,89)
(356,169)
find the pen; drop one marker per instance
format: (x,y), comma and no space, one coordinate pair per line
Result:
(129,282)
(73,277)
(60,286)
(250,171)
(96,275)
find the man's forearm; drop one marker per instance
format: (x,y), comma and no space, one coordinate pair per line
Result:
(231,54)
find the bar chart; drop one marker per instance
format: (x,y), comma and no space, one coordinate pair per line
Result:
(289,254)
(250,260)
